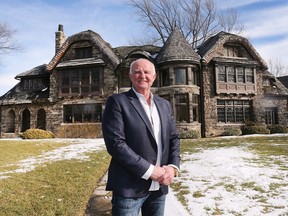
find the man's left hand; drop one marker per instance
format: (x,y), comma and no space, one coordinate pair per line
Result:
(168,176)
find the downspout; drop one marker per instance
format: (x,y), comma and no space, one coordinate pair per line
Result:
(202,116)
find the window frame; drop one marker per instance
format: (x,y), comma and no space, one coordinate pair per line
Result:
(35,83)
(271,116)
(195,108)
(227,77)
(164,77)
(181,108)
(195,76)
(229,111)
(71,79)
(83,52)
(175,69)
(76,113)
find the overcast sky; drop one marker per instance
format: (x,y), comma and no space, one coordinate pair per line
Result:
(36,22)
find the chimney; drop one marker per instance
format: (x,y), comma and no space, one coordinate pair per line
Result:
(59,38)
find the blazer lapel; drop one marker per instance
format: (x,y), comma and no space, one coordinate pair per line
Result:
(138,107)
(163,121)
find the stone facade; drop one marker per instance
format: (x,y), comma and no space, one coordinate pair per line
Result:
(236,56)
(223,85)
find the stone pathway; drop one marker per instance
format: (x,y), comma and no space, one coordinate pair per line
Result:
(100,203)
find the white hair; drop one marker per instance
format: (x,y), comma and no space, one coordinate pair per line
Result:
(135,61)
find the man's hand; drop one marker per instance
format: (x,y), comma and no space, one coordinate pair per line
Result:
(168,176)
(157,173)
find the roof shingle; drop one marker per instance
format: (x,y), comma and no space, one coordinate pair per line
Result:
(177,48)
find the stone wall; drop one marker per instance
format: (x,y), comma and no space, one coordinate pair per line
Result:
(210,124)
(18,109)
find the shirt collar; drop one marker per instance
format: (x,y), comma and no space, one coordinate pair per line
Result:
(141,96)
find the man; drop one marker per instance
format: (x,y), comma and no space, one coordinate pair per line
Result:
(141,136)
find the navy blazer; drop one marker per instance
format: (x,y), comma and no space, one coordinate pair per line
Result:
(130,140)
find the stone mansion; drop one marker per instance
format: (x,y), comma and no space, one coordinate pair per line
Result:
(221,85)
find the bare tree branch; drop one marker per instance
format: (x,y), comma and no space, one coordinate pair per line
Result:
(229,21)
(7,42)
(276,67)
(197,19)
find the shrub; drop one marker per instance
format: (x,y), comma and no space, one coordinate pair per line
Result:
(232,132)
(278,129)
(250,123)
(37,134)
(257,129)
(191,134)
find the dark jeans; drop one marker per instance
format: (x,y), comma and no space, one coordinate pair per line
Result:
(151,205)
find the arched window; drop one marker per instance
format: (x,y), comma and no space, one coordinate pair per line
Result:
(25,120)
(11,122)
(41,119)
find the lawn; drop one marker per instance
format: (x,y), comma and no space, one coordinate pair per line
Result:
(49,177)
(219,176)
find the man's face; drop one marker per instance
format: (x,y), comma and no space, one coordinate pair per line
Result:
(143,75)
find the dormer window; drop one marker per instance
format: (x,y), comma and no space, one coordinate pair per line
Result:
(233,51)
(35,84)
(83,52)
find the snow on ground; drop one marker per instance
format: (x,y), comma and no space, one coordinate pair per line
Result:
(173,207)
(230,181)
(77,150)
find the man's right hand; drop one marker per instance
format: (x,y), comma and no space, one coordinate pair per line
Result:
(157,173)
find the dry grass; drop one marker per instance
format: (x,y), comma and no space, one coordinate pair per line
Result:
(55,188)
(79,131)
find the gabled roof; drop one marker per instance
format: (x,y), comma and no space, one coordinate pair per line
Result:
(209,47)
(38,71)
(177,48)
(85,35)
